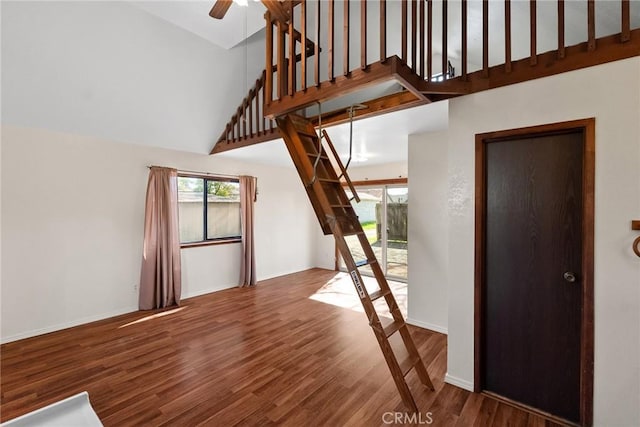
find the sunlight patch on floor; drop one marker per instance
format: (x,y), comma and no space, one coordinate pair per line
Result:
(153,316)
(340,292)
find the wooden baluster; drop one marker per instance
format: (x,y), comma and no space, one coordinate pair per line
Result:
(591,25)
(383,30)
(244,117)
(445,54)
(237,117)
(507,36)
(250,111)
(429,39)
(561,52)
(259,90)
(533,32)
(414,35)
(226,133)
(625,35)
(464,39)
(422,40)
(282,82)
(292,53)
(330,41)
(303,38)
(269,60)
(345,39)
(264,124)
(317,46)
(403,29)
(363,34)
(485,38)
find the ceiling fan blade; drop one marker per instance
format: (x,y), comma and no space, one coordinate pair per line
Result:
(220,8)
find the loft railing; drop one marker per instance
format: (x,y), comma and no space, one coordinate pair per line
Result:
(249,123)
(342,46)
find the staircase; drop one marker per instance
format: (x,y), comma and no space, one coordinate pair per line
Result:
(336,215)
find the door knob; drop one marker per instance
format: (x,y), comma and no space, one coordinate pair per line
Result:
(569,276)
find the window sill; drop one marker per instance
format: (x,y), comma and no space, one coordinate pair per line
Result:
(209,243)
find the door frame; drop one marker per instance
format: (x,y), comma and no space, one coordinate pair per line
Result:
(587,126)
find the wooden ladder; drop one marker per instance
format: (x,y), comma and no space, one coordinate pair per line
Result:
(336,215)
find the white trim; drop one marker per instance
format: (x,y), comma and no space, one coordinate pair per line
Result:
(425,325)
(205,292)
(65,325)
(458,382)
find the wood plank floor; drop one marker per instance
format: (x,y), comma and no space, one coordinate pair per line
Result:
(268,355)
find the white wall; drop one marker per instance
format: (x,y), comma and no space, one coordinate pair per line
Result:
(72,221)
(611,94)
(428,232)
(111,70)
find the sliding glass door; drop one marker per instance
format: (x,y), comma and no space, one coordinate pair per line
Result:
(382,212)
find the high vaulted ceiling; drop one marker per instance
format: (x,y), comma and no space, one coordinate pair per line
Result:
(165,74)
(386,143)
(239,23)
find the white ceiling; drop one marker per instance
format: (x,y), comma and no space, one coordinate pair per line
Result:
(381,139)
(384,138)
(140,64)
(193,15)
(378,140)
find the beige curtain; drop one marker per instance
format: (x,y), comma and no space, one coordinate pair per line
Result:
(247,198)
(160,280)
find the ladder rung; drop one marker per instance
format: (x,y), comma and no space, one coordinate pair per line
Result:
(314,155)
(340,206)
(353,232)
(392,328)
(306,133)
(362,263)
(333,181)
(365,262)
(378,294)
(407,364)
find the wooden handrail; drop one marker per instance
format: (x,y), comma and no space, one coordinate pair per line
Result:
(408,57)
(415,41)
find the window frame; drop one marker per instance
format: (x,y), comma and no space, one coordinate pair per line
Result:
(206,241)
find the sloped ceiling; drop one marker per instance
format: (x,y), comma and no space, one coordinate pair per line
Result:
(113,71)
(163,73)
(239,23)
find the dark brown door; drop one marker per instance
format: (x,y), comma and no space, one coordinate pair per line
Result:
(533,263)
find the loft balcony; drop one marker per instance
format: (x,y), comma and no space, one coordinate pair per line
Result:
(323,56)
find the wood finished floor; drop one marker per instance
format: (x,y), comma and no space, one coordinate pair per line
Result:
(267,355)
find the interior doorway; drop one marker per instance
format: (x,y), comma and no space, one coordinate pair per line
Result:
(382,212)
(534,268)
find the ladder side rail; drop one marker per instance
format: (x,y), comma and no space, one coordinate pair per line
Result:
(396,314)
(374,321)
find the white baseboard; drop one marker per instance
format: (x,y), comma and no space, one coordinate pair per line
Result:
(205,292)
(458,382)
(425,325)
(65,325)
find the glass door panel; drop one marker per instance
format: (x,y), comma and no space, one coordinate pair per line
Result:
(397,203)
(369,212)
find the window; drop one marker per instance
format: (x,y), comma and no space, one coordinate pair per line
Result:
(208,209)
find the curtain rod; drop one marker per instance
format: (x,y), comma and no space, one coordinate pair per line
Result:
(197,172)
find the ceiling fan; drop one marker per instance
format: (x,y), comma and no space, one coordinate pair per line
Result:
(276,7)
(220,8)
